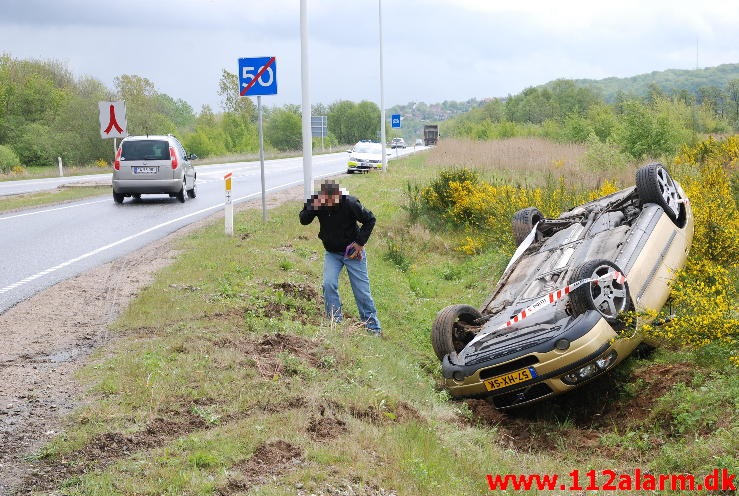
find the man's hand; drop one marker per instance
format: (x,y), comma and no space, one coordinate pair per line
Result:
(355,251)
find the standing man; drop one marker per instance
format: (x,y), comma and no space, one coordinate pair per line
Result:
(338,214)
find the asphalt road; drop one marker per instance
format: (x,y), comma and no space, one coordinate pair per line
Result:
(43,246)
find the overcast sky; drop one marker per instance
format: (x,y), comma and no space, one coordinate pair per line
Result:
(433,50)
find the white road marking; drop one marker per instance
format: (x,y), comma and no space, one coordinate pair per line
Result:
(51,210)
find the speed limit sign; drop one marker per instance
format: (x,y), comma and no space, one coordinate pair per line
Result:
(257,76)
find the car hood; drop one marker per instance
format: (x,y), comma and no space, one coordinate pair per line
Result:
(366,156)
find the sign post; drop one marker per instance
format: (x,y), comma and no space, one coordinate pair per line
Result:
(257,77)
(113,124)
(318,128)
(229,214)
(395,123)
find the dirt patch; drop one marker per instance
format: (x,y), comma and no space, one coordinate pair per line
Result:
(577,419)
(321,428)
(269,460)
(301,291)
(49,336)
(274,344)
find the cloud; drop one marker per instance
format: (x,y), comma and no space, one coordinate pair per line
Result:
(433,50)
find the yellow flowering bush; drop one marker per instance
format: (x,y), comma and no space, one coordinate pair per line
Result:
(704,294)
(484,210)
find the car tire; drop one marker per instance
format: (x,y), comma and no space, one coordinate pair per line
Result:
(118,197)
(192,193)
(447,330)
(523,222)
(609,298)
(654,185)
(182,194)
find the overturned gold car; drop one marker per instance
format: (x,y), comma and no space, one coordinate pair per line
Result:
(552,323)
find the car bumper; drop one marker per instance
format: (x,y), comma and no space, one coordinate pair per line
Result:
(362,166)
(547,365)
(136,186)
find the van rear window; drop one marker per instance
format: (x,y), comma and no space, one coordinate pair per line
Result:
(145,150)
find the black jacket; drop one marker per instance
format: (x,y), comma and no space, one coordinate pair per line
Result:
(339,223)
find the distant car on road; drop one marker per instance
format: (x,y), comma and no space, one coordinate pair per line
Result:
(397,143)
(553,321)
(365,156)
(153,165)
(419,142)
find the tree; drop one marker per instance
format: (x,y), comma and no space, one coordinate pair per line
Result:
(142,105)
(231,99)
(284,130)
(732,91)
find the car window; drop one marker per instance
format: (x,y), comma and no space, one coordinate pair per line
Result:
(145,150)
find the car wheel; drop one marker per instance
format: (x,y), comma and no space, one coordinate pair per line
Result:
(451,329)
(608,297)
(523,222)
(192,193)
(349,171)
(118,197)
(182,195)
(654,185)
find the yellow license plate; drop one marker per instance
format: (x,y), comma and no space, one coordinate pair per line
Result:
(510,379)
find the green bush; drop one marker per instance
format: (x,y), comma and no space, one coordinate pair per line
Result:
(8,159)
(602,156)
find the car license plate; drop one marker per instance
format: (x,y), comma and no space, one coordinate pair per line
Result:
(506,380)
(145,170)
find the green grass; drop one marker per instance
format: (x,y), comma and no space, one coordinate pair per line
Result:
(228,349)
(60,195)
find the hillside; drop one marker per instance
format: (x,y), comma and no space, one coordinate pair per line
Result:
(669,81)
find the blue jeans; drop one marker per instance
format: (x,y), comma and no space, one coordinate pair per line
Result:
(359,280)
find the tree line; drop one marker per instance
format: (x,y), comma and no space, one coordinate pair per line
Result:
(632,127)
(45,113)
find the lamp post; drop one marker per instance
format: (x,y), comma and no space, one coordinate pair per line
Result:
(305,80)
(382,96)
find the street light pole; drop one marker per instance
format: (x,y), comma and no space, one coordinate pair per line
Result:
(307,136)
(382,96)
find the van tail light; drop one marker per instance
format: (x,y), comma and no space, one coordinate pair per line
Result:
(117,162)
(173,156)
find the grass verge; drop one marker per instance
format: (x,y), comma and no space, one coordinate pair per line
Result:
(227,380)
(59,195)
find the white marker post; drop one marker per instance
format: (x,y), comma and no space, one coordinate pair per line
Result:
(61,171)
(229,212)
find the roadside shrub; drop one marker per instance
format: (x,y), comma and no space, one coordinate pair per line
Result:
(603,156)
(705,292)
(705,176)
(463,201)
(8,159)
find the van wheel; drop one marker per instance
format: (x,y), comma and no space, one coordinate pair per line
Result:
(451,330)
(181,195)
(118,197)
(608,297)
